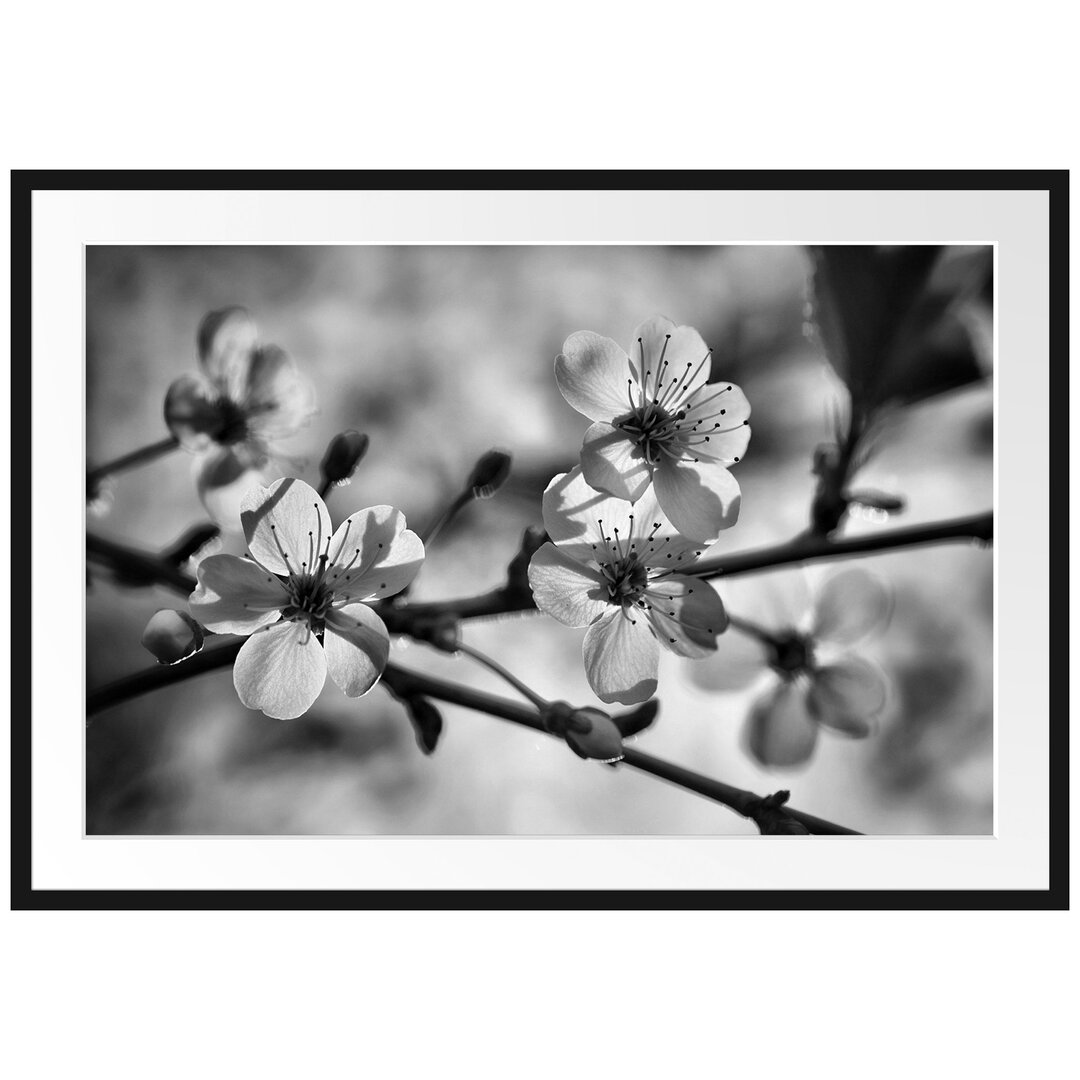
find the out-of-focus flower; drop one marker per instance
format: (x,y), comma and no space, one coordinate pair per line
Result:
(246,398)
(659,420)
(300,596)
(172,636)
(612,566)
(815,682)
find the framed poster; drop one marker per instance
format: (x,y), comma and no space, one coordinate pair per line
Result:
(539,539)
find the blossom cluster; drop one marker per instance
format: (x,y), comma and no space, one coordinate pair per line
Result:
(652,490)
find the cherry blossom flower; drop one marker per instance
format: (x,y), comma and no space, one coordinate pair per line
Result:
(301,596)
(802,641)
(246,398)
(614,567)
(658,420)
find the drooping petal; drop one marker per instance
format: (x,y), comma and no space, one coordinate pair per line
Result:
(780,732)
(565,589)
(621,658)
(583,521)
(280,669)
(234,596)
(373,555)
(686,613)
(357,647)
(741,659)
(672,362)
(701,499)
(593,372)
(287,525)
(226,339)
(851,605)
(612,462)
(847,695)
(191,412)
(278,400)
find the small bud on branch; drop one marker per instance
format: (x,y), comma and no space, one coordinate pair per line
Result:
(489,474)
(172,636)
(343,454)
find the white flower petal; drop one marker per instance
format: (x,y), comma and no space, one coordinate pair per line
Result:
(717,406)
(700,499)
(612,462)
(847,695)
(226,339)
(780,732)
(670,360)
(234,596)
(850,605)
(592,372)
(191,412)
(621,658)
(287,525)
(373,555)
(277,400)
(686,613)
(583,522)
(280,670)
(565,589)
(357,647)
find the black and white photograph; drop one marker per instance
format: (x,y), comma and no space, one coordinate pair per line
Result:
(540,539)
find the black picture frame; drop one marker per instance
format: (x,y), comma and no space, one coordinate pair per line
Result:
(24,897)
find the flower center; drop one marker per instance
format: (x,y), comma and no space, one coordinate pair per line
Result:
(309,600)
(659,419)
(792,654)
(232,426)
(626,580)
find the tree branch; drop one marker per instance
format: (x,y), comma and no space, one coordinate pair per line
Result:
(979,527)
(405,683)
(416,619)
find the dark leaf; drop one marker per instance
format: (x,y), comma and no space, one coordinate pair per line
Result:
(427,722)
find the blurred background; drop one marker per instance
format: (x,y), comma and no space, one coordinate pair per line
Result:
(440,353)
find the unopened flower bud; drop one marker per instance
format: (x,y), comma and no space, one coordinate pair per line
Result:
(489,474)
(601,742)
(343,455)
(427,722)
(878,500)
(172,636)
(590,733)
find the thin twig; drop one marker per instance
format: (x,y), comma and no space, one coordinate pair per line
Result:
(979,527)
(406,683)
(129,461)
